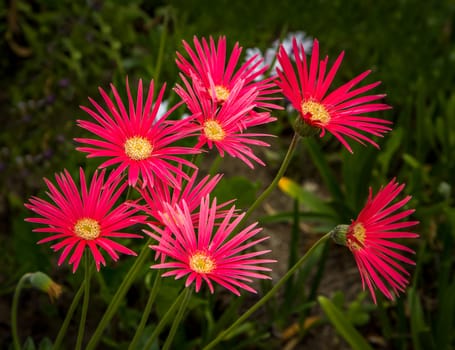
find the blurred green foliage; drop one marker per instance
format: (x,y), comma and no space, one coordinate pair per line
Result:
(56,53)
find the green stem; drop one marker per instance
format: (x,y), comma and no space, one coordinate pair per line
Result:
(195,159)
(164,320)
(128,193)
(147,310)
(293,254)
(178,318)
(266,297)
(62,332)
(279,175)
(319,273)
(80,333)
(17,292)
(215,165)
(119,295)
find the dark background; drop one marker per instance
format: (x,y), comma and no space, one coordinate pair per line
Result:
(54,54)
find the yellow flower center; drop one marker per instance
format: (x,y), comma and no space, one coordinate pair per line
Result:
(213,130)
(138,148)
(87,229)
(221,93)
(200,262)
(357,237)
(317,112)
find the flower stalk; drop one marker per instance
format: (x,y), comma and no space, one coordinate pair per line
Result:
(87,277)
(224,334)
(278,176)
(178,318)
(38,280)
(164,320)
(69,315)
(147,310)
(17,292)
(119,295)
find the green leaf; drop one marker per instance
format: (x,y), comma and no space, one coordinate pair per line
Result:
(412,161)
(343,326)
(420,332)
(307,198)
(357,171)
(446,318)
(320,160)
(237,187)
(391,147)
(45,344)
(29,344)
(141,344)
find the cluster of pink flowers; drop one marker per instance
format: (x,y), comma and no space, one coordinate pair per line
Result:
(196,236)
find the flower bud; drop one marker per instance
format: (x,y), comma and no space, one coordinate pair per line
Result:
(43,282)
(338,234)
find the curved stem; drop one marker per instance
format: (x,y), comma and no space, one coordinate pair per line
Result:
(17,292)
(119,295)
(215,165)
(266,297)
(278,176)
(128,193)
(164,320)
(147,310)
(80,333)
(186,298)
(62,332)
(293,252)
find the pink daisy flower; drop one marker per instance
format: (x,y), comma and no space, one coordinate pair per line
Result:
(205,253)
(369,239)
(191,191)
(223,125)
(340,112)
(159,197)
(85,218)
(218,78)
(137,139)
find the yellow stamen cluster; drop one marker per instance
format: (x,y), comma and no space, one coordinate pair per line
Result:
(221,93)
(317,112)
(213,130)
(87,229)
(201,262)
(138,148)
(357,240)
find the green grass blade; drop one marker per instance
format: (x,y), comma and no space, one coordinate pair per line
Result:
(343,326)
(320,161)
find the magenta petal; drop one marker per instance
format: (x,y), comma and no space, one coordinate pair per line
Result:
(94,200)
(308,83)
(369,237)
(210,255)
(117,125)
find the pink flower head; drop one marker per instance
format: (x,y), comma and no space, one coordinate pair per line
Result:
(340,112)
(223,126)
(369,239)
(218,78)
(205,253)
(158,197)
(137,139)
(85,218)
